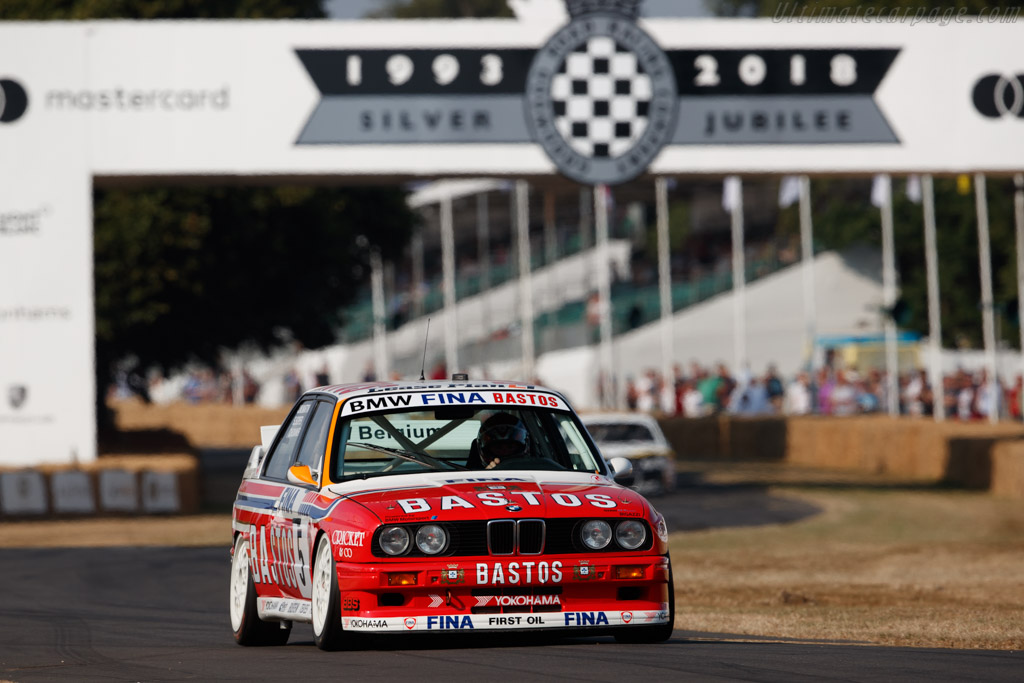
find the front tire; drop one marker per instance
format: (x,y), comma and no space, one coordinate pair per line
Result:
(246,624)
(658,633)
(326,599)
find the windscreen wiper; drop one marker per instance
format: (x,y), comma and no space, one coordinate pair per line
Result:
(411,456)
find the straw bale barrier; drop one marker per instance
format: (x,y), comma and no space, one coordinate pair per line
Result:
(972,455)
(206,425)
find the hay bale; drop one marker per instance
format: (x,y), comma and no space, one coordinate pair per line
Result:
(1008,469)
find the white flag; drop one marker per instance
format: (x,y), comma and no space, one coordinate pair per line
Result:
(880,190)
(732,193)
(914,188)
(789,190)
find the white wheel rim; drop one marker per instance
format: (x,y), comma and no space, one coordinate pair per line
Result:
(322,577)
(239,582)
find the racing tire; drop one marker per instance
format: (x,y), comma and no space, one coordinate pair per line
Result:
(326,608)
(246,624)
(658,633)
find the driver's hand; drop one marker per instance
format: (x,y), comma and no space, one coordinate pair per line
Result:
(492,464)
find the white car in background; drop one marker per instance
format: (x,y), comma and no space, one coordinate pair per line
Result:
(639,438)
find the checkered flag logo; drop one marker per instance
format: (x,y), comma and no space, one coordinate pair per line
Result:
(601,97)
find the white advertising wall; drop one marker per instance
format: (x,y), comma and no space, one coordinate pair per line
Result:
(47,411)
(599,99)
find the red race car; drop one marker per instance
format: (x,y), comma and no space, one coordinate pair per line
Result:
(396,507)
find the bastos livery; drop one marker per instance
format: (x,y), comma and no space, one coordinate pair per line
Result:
(396,507)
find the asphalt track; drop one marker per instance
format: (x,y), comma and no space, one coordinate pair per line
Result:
(160,614)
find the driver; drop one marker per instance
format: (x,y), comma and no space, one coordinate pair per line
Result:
(502,436)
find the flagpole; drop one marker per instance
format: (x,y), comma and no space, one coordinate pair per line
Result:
(739,285)
(664,277)
(931,259)
(807,253)
(525,279)
(451,342)
(889,297)
(380,330)
(985,270)
(604,292)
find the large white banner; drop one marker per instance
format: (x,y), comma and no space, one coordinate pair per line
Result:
(502,97)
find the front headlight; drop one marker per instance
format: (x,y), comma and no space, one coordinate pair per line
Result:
(596,534)
(394,540)
(431,539)
(630,534)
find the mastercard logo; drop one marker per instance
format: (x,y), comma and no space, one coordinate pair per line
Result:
(13,100)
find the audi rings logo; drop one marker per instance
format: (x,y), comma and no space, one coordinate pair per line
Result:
(13,100)
(998,95)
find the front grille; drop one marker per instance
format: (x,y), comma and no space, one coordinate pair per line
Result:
(501,537)
(531,537)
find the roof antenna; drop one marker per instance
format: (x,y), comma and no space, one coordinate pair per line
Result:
(423,367)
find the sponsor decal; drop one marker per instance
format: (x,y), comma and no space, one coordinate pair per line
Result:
(627,617)
(285,608)
(453,575)
(365,624)
(123,99)
(514,573)
(433,399)
(584,572)
(13,100)
(410,623)
(586,618)
(279,556)
(517,600)
(34,314)
(449,622)
(996,96)
(17,394)
(353,539)
(16,223)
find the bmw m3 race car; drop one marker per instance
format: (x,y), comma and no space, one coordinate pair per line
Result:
(397,507)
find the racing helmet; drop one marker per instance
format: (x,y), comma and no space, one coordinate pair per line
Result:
(503,436)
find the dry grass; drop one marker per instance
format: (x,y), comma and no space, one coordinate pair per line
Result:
(893,567)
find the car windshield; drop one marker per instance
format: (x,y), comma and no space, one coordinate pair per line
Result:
(403,442)
(604,432)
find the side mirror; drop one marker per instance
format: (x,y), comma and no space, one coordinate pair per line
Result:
(621,468)
(301,474)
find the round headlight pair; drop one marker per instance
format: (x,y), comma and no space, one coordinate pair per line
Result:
(629,534)
(430,539)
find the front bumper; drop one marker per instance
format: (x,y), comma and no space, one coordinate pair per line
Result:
(514,593)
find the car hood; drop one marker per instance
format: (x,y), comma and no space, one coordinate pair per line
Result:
(481,495)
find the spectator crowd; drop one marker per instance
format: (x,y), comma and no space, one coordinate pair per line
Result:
(826,391)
